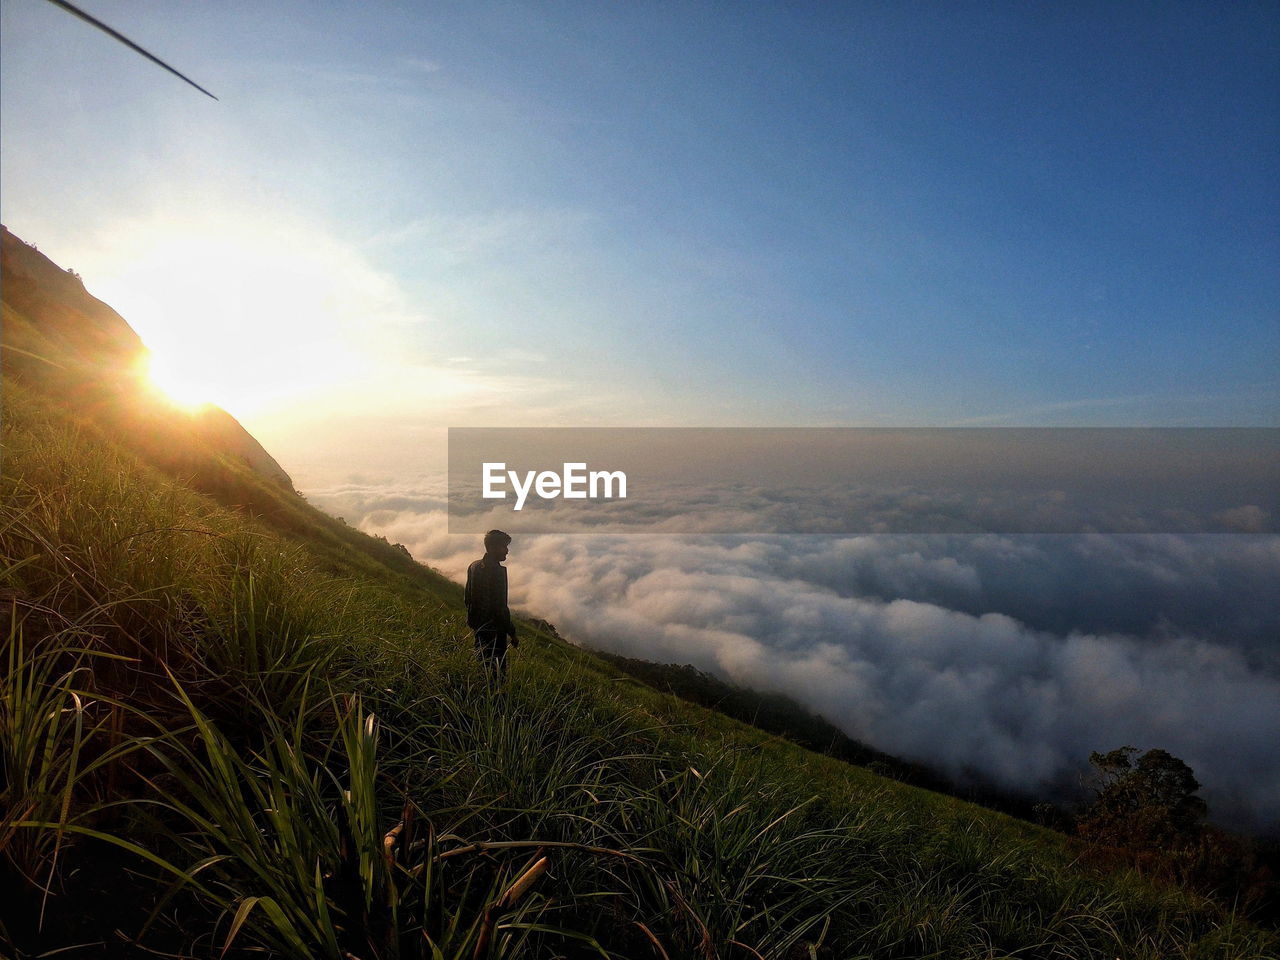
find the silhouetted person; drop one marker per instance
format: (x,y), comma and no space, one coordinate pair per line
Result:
(487,612)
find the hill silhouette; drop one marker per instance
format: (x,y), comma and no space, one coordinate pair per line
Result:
(233,725)
(62,340)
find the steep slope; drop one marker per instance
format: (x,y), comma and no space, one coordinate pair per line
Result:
(78,353)
(62,340)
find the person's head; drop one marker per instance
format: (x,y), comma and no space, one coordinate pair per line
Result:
(496,543)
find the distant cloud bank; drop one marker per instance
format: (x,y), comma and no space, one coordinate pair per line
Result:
(1009,657)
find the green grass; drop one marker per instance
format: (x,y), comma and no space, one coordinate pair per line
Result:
(218,704)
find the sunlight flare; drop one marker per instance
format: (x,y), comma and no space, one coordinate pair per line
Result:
(253,316)
(177,388)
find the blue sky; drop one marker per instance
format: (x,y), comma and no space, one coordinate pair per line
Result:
(762,214)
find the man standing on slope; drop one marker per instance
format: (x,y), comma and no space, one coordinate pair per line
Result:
(487,612)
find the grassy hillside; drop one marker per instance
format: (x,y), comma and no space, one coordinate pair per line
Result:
(779,714)
(233,724)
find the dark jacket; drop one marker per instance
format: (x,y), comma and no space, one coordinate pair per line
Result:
(486,597)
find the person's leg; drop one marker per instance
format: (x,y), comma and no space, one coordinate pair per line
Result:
(484,647)
(491,648)
(500,657)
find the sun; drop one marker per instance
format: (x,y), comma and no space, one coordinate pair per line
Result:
(254,317)
(181,390)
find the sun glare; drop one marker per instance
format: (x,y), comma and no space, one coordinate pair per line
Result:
(253,317)
(178,388)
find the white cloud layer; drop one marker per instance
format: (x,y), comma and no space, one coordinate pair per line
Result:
(1007,656)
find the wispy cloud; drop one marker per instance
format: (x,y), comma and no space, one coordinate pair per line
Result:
(458,238)
(419,64)
(1138,409)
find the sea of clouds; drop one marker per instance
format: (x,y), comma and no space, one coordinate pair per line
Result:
(1008,657)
